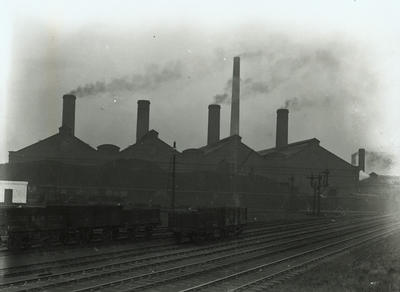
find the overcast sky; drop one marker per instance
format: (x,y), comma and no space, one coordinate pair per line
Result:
(335,64)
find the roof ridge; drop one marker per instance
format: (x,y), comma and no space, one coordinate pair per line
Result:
(307,141)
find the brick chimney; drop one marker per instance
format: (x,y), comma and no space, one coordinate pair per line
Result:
(143,115)
(68,114)
(213,123)
(282,127)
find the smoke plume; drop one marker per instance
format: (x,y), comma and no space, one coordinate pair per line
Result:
(220,98)
(154,77)
(379,161)
(248,87)
(296,103)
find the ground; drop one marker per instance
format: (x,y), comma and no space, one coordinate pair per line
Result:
(372,267)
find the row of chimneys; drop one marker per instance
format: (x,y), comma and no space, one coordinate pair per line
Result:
(213,136)
(68,116)
(143,117)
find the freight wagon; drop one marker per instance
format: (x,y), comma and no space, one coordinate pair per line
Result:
(207,223)
(22,227)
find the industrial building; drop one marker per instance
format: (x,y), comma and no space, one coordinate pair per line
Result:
(299,161)
(63,146)
(223,166)
(148,145)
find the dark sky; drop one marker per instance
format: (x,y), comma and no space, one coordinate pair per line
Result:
(332,66)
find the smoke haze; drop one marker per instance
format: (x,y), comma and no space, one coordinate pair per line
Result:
(379,162)
(154,77)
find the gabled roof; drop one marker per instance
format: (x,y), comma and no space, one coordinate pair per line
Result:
(378,179)
(208,149)
(290,149)
(150,136)
(218,145)
(60,145)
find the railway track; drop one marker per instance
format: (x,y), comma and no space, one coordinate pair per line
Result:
(179,278)
(49,267)
(265,276)
(162,267)
(121,251)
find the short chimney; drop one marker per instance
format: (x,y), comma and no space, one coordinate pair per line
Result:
(143,114)
(235,97)
(282,127)
(68,114)
(361,159)
(213,123)
(354,158)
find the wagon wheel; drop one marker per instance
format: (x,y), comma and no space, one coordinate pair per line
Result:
(47,238)
(148,232)
(115,233)
(107,235)
(84,236)
(64,238)
(131,233)
(14,242)
(178,237)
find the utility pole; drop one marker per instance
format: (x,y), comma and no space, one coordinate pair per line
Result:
(326,178)
(319,194)
(316,182)
(173,179)
(291,190)
(314,185)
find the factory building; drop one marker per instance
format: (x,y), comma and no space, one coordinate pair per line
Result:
(303,159)
(63,146)
(272,170)
(380,184)
(229,155)
(148,145)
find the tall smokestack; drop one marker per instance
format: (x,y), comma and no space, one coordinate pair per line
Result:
(68,113)
(361,159)
(235,97)
(282,127)
(143,113)
(213,123)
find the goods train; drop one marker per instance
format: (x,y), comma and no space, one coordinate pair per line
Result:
(22,227)
(207,223)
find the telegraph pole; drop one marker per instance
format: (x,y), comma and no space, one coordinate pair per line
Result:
(173,179)
(319,195)
(291,190)
(326,178)
(313,184)
(316,182)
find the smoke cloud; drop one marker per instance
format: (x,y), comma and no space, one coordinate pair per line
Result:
(296,104)
(154,77)
(314,74)
(248,87)
(379,161)
(220,98)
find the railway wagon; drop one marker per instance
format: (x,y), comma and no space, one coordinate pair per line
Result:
(207,223)
(22,227)
(141,219)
